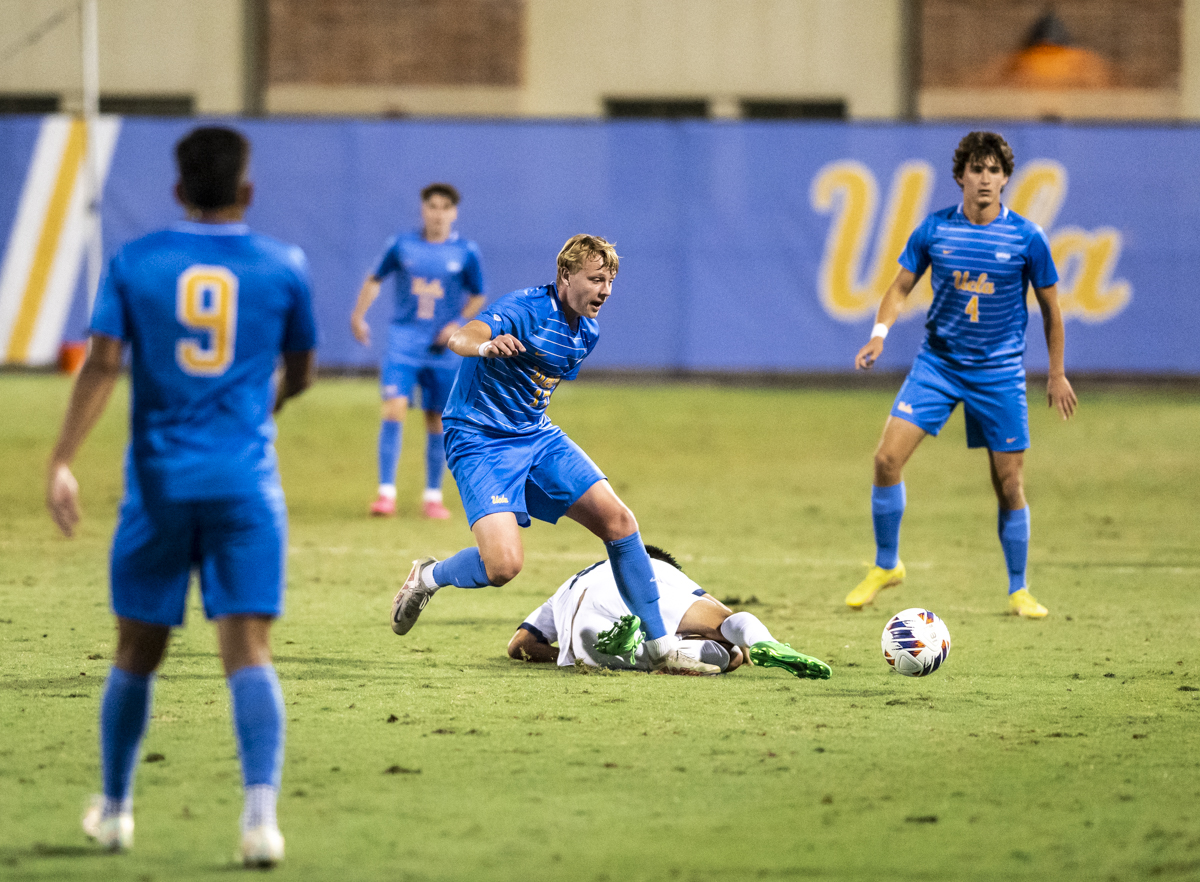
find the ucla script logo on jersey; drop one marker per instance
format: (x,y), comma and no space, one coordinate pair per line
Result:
(978,285)
(499,500)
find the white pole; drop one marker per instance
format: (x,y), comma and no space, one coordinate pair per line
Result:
(89,33)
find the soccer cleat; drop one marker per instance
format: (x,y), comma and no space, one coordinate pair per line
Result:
(625,636)
(411,598)
(435,510)
(384,506)
(114,833)
(675,662)
(770,654)
(262,846)
(1022,603)
(877,579)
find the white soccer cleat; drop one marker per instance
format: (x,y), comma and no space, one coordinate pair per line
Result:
(114,833)
(680,663)
(411,598)
(262,846)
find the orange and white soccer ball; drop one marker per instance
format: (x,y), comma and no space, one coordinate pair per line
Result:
(915,642)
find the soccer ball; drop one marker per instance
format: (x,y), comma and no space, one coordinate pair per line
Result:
(915,642)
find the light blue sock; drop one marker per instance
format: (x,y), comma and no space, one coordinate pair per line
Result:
(635,580)
(124,715)
(463,570)
(258,723)
(389,450)
(1014,539)
(887,510)
(435,461)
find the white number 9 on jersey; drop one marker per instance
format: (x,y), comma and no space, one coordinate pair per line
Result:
(206,302)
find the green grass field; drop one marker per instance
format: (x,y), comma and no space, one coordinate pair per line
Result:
(1062,749)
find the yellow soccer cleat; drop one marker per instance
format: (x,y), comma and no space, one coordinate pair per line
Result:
(1022,603)
(877,579)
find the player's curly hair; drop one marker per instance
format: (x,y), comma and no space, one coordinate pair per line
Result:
(582,248)
(981,145)
(657,553)
(212,161)
(440,188)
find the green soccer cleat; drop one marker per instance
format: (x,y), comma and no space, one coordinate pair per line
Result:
(770,654)
(625,636)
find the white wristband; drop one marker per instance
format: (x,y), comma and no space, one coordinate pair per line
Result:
(880,330)
(482,346)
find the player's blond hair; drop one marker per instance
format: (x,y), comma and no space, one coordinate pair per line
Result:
(582,248)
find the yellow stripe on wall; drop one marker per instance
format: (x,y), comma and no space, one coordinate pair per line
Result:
(47,247)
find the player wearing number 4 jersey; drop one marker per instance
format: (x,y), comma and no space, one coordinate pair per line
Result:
(982,259)
(438,287)
(207,309)
(511,463)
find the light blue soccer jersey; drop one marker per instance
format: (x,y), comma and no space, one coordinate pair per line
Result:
(206,310)
(432,283)
(510,395)
(980,276)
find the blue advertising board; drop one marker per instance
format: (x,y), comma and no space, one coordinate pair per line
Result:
(745,246)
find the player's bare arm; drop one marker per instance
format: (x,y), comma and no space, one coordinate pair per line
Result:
(1059,393)
(525,647)
(889,311)
(358,321)
(88,400)
(470,310)
(299,370)
(469,341)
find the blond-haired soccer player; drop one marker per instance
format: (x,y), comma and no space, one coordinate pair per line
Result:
(511,463)
(982,259)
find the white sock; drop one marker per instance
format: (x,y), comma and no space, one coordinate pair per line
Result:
(431,494)
(388,490)
(259,810)
(744,629)
(427,578)
(659,647)
(114,807)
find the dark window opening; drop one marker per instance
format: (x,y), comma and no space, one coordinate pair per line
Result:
(147,105)
(656,108)
(28,103)
(834,108)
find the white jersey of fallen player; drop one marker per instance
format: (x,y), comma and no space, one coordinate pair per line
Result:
(589,602)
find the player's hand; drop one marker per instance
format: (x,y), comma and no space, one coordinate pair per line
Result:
(1061,396)
(62,498)
(361,330)
(865,360)
(445,334)
(504,346)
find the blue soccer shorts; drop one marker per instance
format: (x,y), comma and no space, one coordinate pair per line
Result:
(993,399)
(237,545)
(540,475)
(397,379)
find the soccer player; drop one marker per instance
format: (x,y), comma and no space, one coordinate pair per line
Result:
(982,259)
(438,287)
(208,309)
(591,624)
(510,462)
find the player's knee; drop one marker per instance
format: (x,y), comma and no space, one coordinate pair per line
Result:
(503,566)
(887,467)
(619,524)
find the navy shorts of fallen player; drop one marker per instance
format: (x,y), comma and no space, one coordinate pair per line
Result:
(540,474)
(237,545)
(993,399)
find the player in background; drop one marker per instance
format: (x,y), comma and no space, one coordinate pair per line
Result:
(591,624)
(510,462)
(208,310)
(438,287)
(982,259)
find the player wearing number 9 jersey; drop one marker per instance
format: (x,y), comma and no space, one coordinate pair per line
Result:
(982,260)
(207,309)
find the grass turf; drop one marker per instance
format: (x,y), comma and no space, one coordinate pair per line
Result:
(1062,749)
